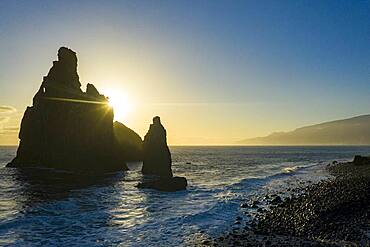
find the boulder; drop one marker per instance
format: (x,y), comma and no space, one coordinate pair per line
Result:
(157,156)
(276,200)
(67,128)
(169,184)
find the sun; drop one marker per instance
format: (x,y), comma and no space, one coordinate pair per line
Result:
(120,103)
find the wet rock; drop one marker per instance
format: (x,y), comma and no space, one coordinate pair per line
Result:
(255,204)
(206,242)
(67,128)
(157,156)
(276,200)
(361,160)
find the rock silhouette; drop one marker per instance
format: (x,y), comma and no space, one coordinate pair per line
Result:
(361,160)
(157,161)
(157,156)
(130,143)
(67,128)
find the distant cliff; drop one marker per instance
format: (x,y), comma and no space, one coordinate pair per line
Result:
(352,131)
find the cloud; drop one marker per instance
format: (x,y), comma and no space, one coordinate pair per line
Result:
(9,131)
(4,120)
(7,109)
(12,128)
(8,122)
(6,113)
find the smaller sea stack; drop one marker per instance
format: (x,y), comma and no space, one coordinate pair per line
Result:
(157,156)
(157,161)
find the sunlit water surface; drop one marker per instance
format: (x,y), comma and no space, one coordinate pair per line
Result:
(59,209)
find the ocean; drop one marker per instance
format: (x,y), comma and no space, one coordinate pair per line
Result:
(40,207)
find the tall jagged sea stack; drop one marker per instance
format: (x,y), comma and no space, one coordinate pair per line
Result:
(67,128)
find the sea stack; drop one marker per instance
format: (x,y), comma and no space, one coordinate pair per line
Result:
(157,156)
(67,128)
(157,161)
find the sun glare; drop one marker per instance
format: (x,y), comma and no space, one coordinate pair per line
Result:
(120,103)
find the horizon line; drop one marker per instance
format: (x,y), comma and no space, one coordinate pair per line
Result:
(244,145)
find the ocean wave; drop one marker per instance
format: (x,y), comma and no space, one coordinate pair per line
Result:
(112,211)
(283,172)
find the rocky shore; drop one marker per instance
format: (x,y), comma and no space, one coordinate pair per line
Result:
(333,212)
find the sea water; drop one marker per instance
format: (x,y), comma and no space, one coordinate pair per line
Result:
(49,208)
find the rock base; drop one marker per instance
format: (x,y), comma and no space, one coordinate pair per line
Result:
(361,160)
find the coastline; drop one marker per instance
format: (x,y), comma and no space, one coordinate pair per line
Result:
(332,212)
(208,209)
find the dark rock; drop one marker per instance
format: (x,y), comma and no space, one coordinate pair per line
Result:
(157,156)
(67,128)
(255,204)
(130,143)
(165,184)
(276,200)
(206,242)
(361,160)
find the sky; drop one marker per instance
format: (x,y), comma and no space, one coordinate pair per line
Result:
(215,71)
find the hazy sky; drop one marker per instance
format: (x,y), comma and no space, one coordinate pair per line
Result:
(215,71)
